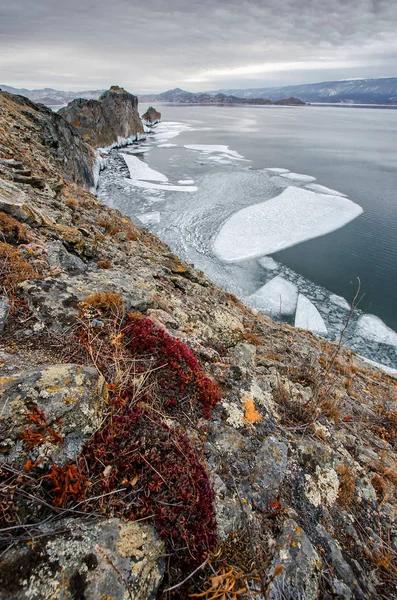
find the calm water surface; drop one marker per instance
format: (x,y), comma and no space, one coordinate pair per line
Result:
(347,149)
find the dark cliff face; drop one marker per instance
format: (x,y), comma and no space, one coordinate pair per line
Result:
(151,116)
(103,122)
(68,152)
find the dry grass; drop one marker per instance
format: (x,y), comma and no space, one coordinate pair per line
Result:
(108,303)
(104,264)
(14,269)
(11,231)
(347,484)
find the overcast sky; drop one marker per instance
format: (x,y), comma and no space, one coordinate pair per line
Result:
(154,45)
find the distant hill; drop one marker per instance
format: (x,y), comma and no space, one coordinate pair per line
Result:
(354,91)
(183,97)
(52,97)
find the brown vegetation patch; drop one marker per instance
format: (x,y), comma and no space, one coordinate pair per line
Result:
(13,268)
(11,231)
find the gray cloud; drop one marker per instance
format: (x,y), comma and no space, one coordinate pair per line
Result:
(152,45)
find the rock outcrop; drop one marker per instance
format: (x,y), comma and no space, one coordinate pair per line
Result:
(45,133)
(113,119)
(146,413)
(151,116)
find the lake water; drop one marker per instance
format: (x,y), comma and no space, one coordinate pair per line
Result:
(198,190)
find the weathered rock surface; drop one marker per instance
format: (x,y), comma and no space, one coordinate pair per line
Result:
(72,393)
(54,300)
(71,156)
(4,310)
(105,559)
(112,119)
(151,116)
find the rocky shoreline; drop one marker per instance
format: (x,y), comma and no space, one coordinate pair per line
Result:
(159,438)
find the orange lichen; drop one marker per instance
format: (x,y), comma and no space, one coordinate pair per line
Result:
(251,415)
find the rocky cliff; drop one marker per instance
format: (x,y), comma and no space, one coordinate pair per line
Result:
(158,438)
(111,119)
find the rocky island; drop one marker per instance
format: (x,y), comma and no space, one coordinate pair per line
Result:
(158,438)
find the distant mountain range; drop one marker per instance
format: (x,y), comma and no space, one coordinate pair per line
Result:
(349,91)
(183,97)
(353,91)
(52,97)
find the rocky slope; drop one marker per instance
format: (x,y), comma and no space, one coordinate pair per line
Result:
(112,118)
(153,427)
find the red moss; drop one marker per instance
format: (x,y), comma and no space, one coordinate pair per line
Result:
(179,373)
(161,476)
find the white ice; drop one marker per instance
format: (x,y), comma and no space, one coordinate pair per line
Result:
(169,129)
(277,297)
(374,329)
(139,170)
(136,151)
(298,177)
(209,149)
(321,189)
(339,301)
(268,263)
(148,185)
(294,216)
(308,317)
(186,181)
(277,170)
(167,145)
(143,176)
(150,218)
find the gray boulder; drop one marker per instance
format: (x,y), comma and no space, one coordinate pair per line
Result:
(106,559)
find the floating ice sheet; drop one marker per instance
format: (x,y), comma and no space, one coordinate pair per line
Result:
(308,317)
(268,263)
(339,301)
(294,216)
(209,149)
(139,170)
(321,189)
(148,185)
(186,181)
(275,298)
(167,130)
(167,145)
(374,329)
(149,218)
(143,176)
(298,177)
(277,170)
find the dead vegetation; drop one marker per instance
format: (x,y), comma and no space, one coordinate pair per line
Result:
(14,268)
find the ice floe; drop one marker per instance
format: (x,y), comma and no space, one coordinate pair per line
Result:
(148,185)
(149,218)
(277,170)
(308,317)
(186,181)
(321,189)
(298,177)
(167,130)
(339,301)
(209,149)
(268,263)
(294,216)
(374,329)
(143,176)
(167,145)
(139,170)
(275,298)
